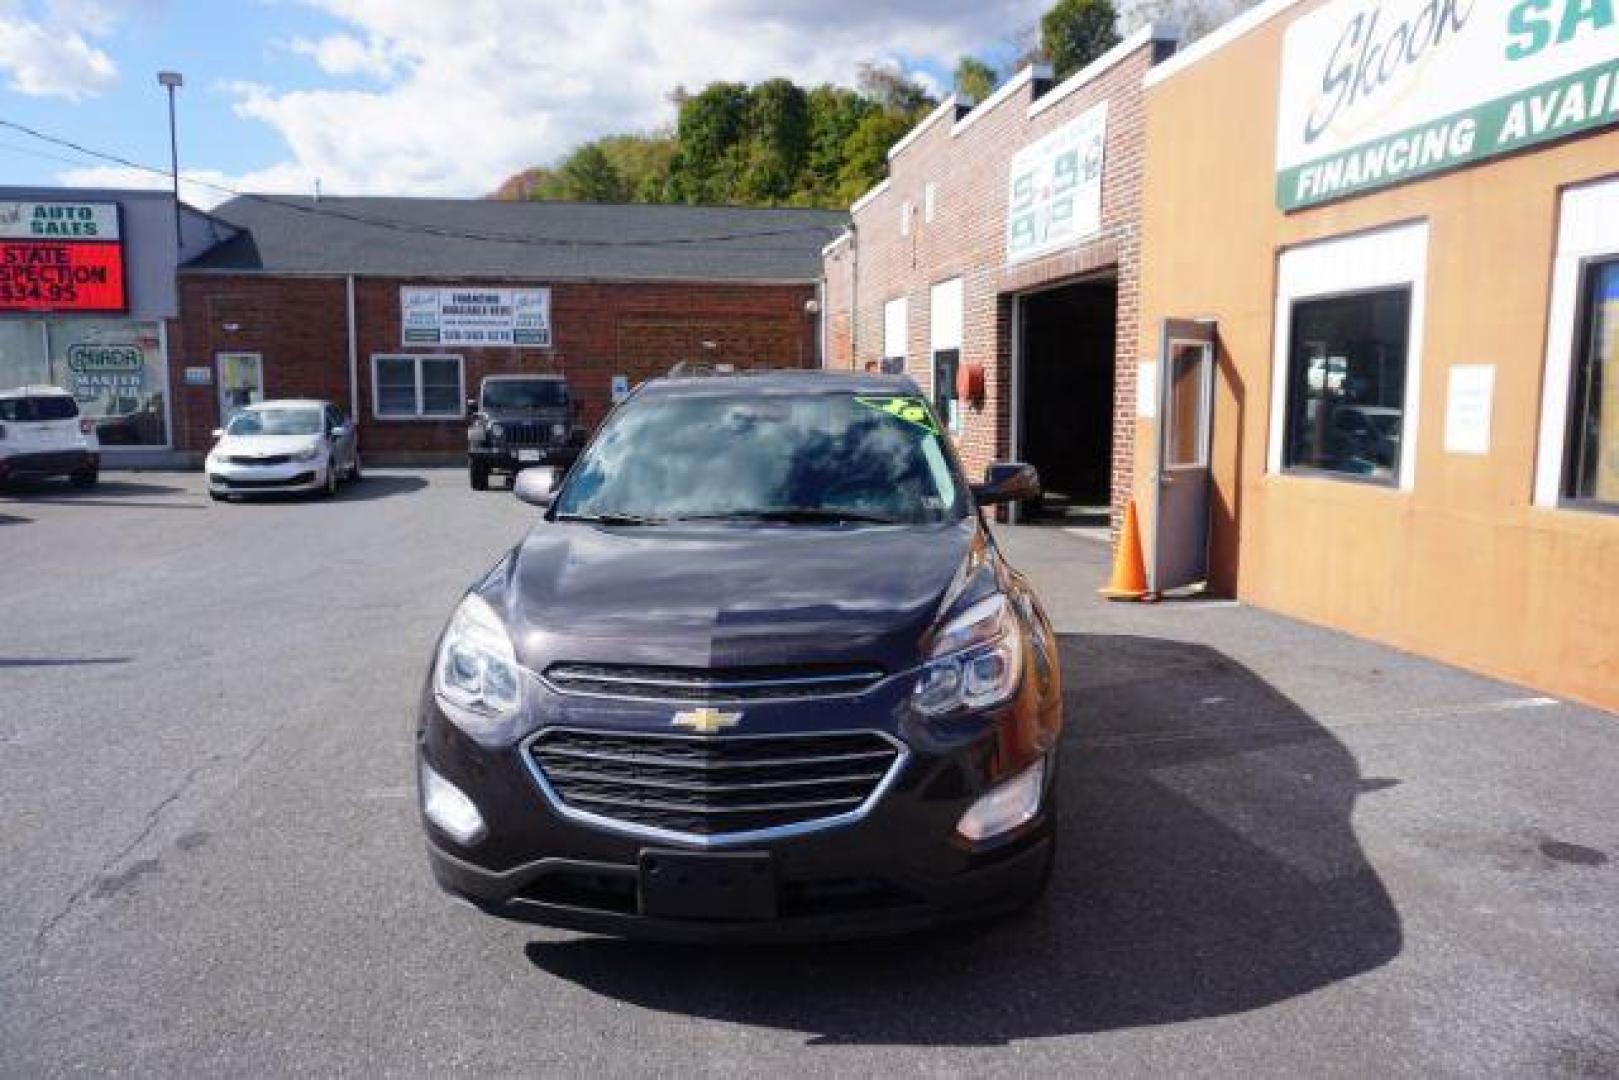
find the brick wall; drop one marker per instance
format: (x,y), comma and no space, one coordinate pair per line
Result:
(638,330)
(967,159)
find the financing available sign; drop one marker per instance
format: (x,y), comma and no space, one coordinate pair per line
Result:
(58,256)
(1378,92)
(475,316)
(1054,187)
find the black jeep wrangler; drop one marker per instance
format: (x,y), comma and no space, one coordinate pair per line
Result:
(518,421)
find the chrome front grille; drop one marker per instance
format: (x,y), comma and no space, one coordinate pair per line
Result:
(714,789)
(262,459)
(711,684)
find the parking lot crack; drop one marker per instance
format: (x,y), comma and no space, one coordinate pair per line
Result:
(78,895)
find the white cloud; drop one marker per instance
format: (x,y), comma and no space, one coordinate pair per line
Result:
(474,90)
(345,55)
(199,187)
(46,53)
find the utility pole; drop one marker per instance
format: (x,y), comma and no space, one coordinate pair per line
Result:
(170,81)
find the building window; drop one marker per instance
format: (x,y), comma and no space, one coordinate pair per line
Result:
(930,197)
(1346,384)
(417,386)
(1593,431)
(905,212)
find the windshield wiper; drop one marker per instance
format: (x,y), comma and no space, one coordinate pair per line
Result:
(793,515)
(611,519)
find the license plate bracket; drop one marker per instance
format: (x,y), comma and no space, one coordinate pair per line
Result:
(716,886)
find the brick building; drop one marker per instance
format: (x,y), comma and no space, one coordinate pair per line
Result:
(310,298)
(1006,238)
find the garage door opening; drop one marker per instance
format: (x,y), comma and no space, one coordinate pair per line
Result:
(1065,400)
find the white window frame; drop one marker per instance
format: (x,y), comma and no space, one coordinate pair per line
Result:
(416,365)
(1587,231)
(946,328)
(897,324)
(1389,258)
(930,197)
(906,211)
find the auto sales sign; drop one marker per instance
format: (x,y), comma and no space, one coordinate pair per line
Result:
(475,316)
(1377,92)
(59,256)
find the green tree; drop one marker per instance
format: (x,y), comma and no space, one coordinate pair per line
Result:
(975,80)
(588,176)
(866,153)
(835,112)
(776,143)
(1075,32)
(711,126)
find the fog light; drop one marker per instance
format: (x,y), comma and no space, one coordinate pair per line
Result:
(448,808)
(1006,807)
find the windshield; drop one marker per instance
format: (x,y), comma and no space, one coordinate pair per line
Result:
(524,393)
(276,422)
(808,456)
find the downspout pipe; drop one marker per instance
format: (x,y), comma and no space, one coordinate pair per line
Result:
(354,357)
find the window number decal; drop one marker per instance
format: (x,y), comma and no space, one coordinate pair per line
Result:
(912,410)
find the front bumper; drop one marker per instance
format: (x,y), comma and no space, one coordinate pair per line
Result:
(898,866)
(515,458)
(48,463)
(228,478)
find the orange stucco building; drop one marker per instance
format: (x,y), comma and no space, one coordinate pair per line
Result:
(1401,218)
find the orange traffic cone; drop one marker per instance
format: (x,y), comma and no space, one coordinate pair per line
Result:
(1129,569)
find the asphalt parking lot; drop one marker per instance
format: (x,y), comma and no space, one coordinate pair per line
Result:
(1284,851)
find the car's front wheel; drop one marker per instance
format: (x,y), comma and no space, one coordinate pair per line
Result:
(85,478)
(330,487)
(479,473)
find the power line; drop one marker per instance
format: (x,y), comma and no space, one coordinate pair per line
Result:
(419,228)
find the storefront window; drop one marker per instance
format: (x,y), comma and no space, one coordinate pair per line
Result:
(1346,384)
(115,368)
(1594,433)
(22,354)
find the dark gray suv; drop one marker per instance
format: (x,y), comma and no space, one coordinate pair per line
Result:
(521,420)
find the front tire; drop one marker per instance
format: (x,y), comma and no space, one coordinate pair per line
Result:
(84,478)
(330,487)
(479,473)
(355,474)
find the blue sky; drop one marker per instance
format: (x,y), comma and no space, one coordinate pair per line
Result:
(431,97)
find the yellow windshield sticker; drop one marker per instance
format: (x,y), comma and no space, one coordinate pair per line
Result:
(913,410)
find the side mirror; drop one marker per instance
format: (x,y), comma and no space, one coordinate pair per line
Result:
(219,433)
(340,431)
(537,487)
(472,407)
(1006,482)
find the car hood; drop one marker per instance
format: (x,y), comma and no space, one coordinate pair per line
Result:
(732,596)
(550,414)
(263,445)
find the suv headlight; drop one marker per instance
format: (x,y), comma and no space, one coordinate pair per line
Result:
(308,453)
(559,432)
(496,433)
(476,673)
(977,660)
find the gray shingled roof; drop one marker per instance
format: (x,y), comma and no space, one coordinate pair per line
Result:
(394,237)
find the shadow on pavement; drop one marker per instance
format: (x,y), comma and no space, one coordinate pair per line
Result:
(372,486)
(1207,866)
(105,493)
(58,661)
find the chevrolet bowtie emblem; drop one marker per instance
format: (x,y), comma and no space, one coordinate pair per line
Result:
(706,721)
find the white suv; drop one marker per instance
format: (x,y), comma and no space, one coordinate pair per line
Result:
(43,435)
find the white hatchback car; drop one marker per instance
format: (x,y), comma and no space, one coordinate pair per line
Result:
(283,446)
(42,435)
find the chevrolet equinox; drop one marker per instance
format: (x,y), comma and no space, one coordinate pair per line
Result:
(758,672)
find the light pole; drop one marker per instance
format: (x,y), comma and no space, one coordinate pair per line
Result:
(170,80)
